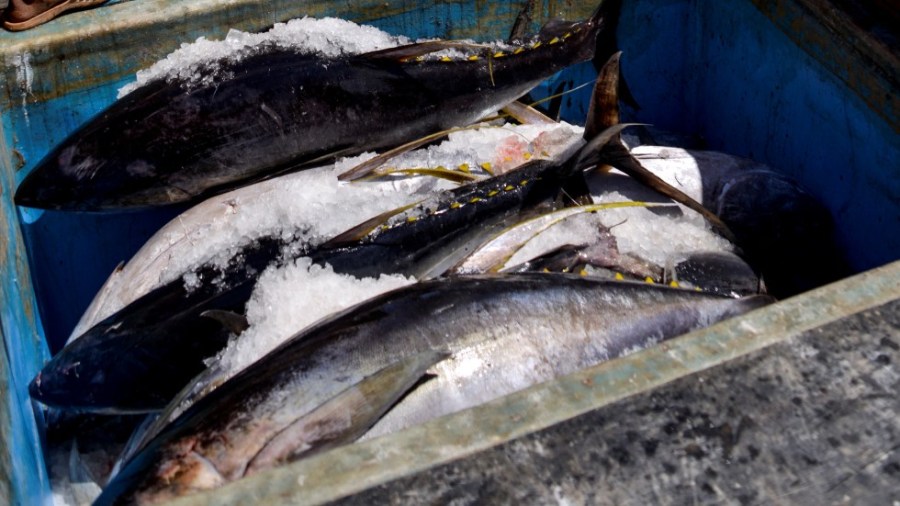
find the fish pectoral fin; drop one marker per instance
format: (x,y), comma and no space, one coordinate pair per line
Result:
(526,114)
(414,50)
(454,176)
(617,155)
(234,322)
(574,192)
(357,232)
(368,167)
(346,416)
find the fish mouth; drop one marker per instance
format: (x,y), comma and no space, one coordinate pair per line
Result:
(41,189)
(34,388)
(27,194)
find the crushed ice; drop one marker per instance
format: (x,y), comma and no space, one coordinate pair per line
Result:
(200,62)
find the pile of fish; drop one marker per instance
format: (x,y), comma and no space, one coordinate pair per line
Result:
(278,319)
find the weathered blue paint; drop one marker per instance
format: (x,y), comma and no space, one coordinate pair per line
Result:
(723,70)
(24,480)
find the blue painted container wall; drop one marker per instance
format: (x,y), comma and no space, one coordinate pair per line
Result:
(719,69)
(722,70)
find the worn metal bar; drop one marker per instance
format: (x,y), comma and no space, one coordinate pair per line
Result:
(350,469)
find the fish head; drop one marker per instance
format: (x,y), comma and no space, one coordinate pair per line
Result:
(86,173)
(67,376)
(96,375)
(56,178)
(59,380)
(785,232)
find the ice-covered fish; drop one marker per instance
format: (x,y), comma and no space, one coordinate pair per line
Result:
(782,231)
(326,385)
(279,111)
(113,367)
(307,206)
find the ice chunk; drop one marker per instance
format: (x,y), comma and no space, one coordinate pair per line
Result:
(200,62)
(289,298)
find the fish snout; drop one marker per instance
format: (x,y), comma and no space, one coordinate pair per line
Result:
(34,388)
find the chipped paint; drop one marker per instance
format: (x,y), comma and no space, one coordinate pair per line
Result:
(21,62)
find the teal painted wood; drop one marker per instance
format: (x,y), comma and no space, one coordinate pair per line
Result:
(23,479)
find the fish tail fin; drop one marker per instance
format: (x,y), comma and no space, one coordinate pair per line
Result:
(607,12)
(346,416)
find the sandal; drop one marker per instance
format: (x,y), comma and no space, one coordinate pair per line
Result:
(19,17)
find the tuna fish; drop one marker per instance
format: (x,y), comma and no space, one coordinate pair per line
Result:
(330,383)
(306,206)
(783,232)
(280,111)
(115,365)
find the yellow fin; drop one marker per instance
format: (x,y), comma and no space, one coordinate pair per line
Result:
(356,233)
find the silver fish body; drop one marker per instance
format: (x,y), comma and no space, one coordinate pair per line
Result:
(503,333)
